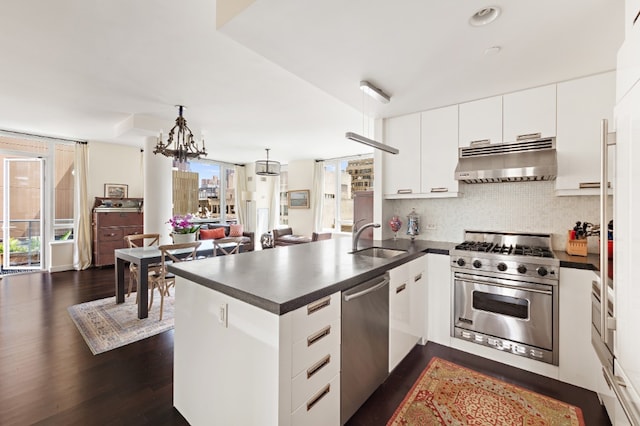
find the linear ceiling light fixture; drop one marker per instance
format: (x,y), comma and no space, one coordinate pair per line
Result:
(377,94)
(182,146)
(374,92)
(267,167)
(386,148)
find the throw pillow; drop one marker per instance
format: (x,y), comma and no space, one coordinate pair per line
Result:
(212,234)
(236,231)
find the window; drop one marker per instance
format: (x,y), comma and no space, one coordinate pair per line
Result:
(216,190)
(343,178)
(284,188)
(63,191)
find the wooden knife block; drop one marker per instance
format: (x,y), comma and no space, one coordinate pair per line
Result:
(576,247)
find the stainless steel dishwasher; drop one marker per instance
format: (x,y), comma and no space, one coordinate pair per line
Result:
(365,343)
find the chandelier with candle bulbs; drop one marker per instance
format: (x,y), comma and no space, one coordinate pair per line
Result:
(180,144)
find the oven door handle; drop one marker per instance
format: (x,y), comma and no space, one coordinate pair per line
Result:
(489,281)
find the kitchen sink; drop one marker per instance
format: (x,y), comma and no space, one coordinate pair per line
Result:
(379,252)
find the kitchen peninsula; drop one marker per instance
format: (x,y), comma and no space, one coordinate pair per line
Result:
(248,329)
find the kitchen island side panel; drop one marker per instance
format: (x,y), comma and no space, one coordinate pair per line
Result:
(229,373)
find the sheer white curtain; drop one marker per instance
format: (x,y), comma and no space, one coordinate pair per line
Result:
(317,196)
(274,201)
(82,221)
(241,189)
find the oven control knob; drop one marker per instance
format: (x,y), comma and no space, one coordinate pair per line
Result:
(477,264)
(502,266)
(461,262)
(542,271)
(522,269)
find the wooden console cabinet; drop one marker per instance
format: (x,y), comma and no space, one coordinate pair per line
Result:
(112,224)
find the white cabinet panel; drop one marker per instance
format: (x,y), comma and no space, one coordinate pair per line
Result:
(628,63)
(480,120)
(401,172)
(529,111)
(582,104)
(323,408)
(418,280)
(400,338)
(440,151)
(407,304)
(439,299)
(578,362)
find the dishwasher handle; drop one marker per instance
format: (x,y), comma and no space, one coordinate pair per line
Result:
(384,282)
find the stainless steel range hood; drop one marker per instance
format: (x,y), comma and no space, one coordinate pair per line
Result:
(526,160)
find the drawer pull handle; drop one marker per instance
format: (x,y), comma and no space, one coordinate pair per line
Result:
(417,278)
(405,191)
(317,397)
(315,307)
(401,288)
(586,185)
(318,366)
(528,136)
(480,142)
(111,235)
(440,189)
(319,335)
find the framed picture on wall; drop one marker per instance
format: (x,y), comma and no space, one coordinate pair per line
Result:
(298,199)
(116,190)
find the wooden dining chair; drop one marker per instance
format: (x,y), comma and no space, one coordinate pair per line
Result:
(140,240)
(163,279)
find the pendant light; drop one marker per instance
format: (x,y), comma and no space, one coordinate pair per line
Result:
(267,167)
(379,95)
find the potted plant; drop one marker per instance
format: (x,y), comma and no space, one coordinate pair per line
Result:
(183,229)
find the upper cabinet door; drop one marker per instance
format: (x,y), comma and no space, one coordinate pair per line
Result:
(582,104)
(402,171)
(481,120)
(528,112)
(440,151)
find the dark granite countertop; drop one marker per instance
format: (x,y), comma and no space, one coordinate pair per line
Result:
(283,279)
(590,262)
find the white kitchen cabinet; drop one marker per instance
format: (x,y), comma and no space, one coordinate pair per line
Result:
(227,352)
(582,104)
(578,363)
(529,111)
(406,309)
(480,120)
(439,151)
(401,172)
(439,301)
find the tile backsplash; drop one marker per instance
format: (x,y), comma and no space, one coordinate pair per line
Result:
(513,206)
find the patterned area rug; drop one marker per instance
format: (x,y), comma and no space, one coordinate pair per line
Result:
(106,325)
(448,394)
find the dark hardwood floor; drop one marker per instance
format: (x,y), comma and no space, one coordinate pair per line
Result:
(48,375)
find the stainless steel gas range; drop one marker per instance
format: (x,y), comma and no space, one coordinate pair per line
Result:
(505,288)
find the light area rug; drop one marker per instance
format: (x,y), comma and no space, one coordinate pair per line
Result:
(448,394)
(105,325)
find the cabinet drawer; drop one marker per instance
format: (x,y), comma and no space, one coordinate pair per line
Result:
(132,230)
(322,408)
(314,346)
(109,234)
(118,219)
(315,315)
(318,373)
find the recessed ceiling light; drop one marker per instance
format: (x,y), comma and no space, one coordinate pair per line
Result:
(485,16)
(493,50)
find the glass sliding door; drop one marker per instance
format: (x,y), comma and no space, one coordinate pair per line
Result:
(22,212)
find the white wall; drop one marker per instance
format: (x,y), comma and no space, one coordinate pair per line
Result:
(301,177)
(113,163)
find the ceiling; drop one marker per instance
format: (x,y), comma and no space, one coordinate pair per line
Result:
(282,74)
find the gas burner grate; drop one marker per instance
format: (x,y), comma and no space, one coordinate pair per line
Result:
(502,249)
(533,251)
(475,246)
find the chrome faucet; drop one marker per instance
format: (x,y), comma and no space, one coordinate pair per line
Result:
(356,234)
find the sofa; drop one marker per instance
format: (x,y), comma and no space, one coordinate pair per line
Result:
(248,241)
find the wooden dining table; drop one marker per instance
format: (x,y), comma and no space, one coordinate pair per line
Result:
(145,256)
